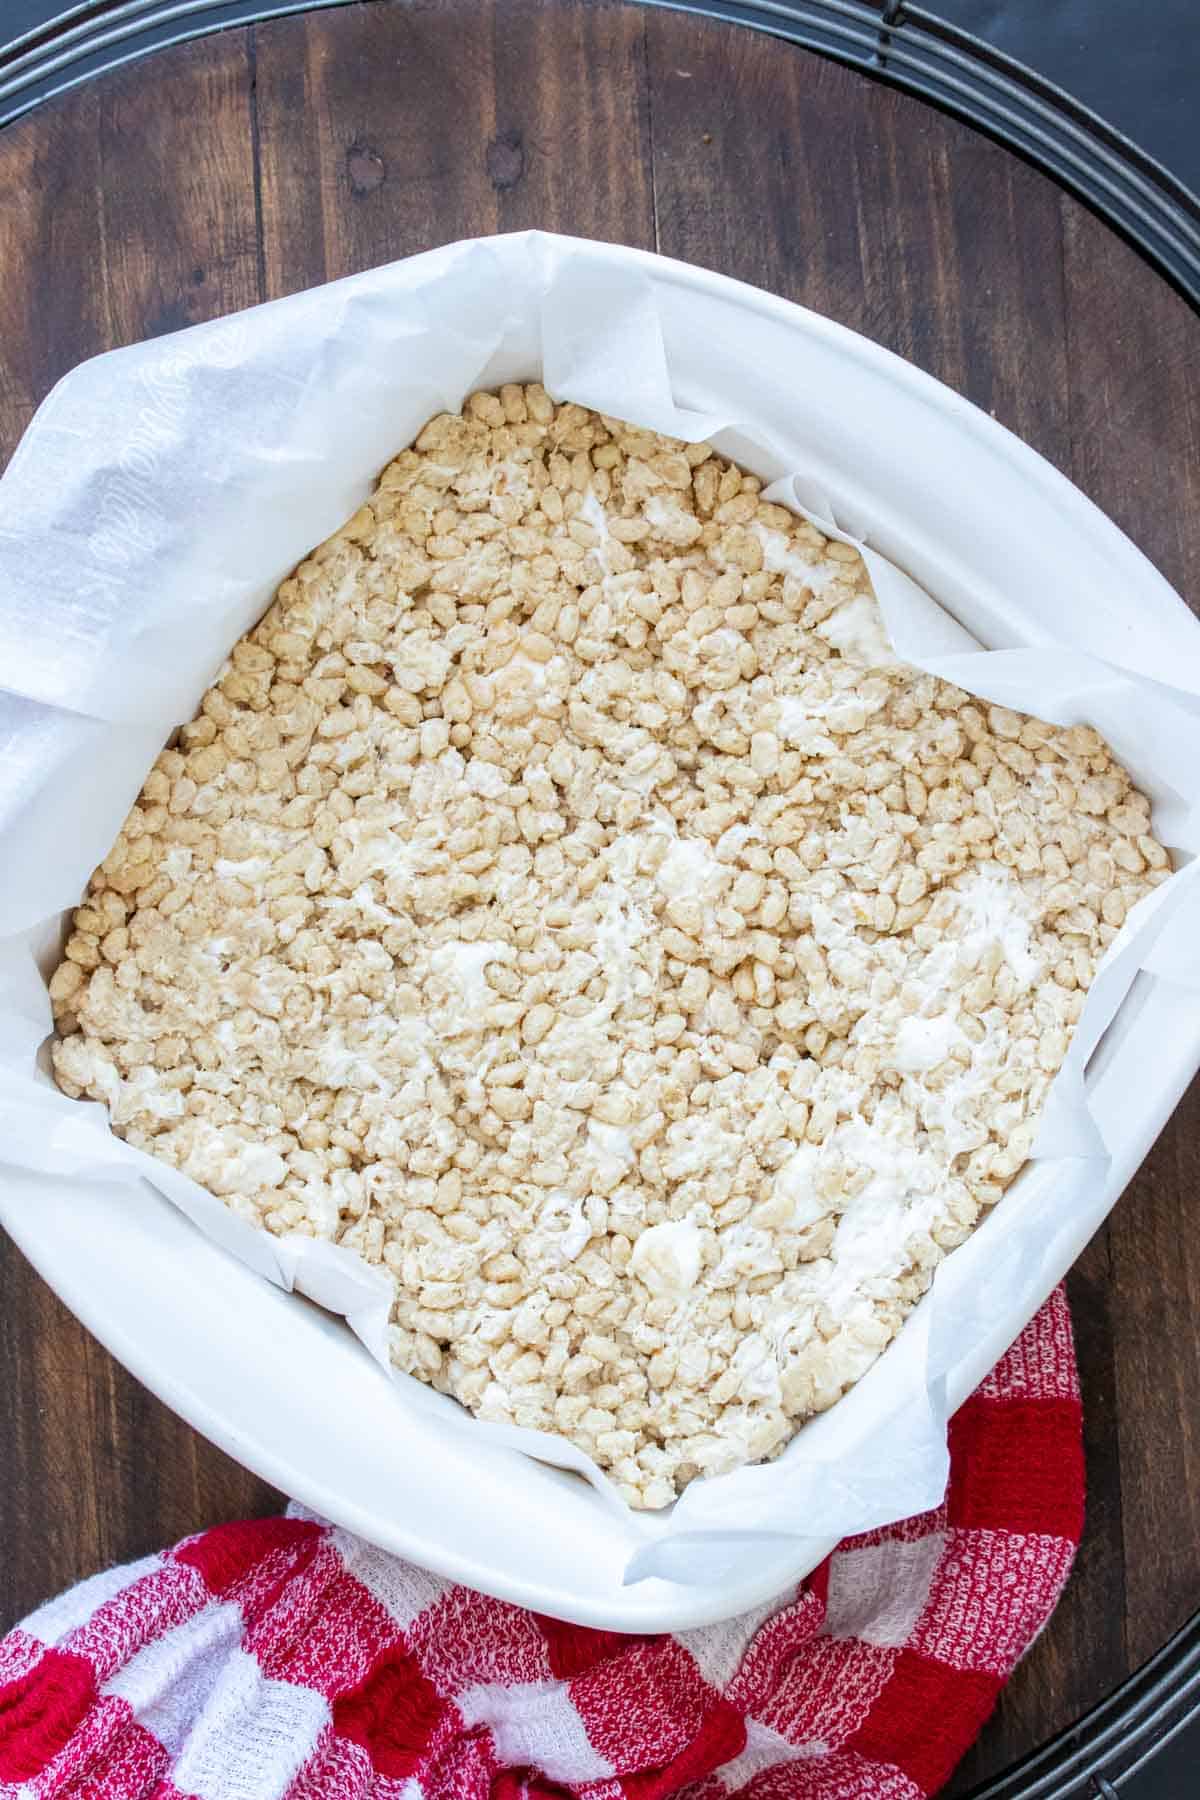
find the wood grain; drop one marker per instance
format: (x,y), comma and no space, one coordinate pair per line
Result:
(94,1470)
(573,102)
(1156,1289)
(505,146)
(50,221)
(1135,448)
(179,225)
(262,160)
(1134,401)
(373,134)
(795,175)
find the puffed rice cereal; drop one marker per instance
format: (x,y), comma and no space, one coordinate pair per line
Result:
(565,899)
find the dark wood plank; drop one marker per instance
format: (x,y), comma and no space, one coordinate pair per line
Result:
(373,127)
(1135,401)
(426,131)
(177,190)
(94,1470)
(801,177)
(1135,426)
(1156,1305)
(264,160)
(570,152)
(123,217)
(49,220)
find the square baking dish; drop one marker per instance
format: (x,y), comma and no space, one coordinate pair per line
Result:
(935,486)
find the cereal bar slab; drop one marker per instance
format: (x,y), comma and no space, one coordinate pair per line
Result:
(566,900)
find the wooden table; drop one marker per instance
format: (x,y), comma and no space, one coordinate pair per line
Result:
(262,160)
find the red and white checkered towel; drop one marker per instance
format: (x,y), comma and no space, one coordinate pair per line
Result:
(282,1657)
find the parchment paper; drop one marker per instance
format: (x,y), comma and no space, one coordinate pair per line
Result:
(161,494)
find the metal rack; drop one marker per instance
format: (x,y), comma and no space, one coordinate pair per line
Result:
(909,48)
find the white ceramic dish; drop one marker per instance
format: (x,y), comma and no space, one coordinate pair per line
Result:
(287,1390)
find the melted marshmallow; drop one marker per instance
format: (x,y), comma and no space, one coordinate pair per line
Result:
(667,1257)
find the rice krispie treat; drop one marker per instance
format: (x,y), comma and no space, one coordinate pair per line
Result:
(565,899)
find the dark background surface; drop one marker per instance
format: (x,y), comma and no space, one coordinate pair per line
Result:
(1173,1775)
(1069,340)
(1135,62)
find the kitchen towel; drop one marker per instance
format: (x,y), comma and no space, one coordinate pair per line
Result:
(284,1659)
